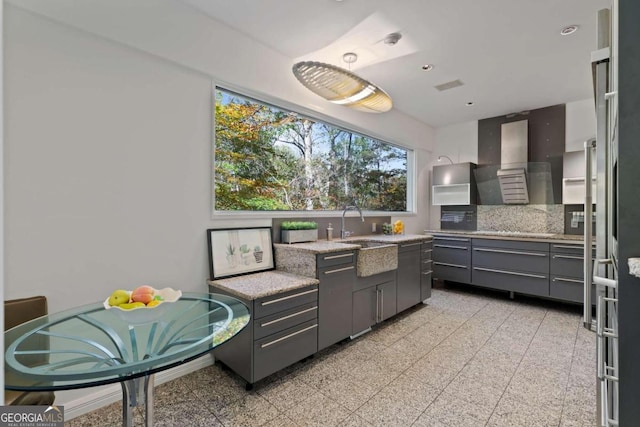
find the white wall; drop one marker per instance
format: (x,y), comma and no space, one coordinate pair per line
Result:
(108,152)
(460,143)
(580,124)
(108,159)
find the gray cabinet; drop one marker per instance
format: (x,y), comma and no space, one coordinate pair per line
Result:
(452,258)
(337,273)
(283,329)
(408,277)
(374,300)
(567,272)
(426,270)
(454,184)
(511,265)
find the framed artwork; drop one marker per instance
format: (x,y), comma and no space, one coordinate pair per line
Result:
(238,251)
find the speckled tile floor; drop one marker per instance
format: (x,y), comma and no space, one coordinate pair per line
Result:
(468,358)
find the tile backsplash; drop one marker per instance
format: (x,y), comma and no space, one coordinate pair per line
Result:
(522,218)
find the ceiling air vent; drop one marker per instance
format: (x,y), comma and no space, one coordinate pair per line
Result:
(449,85)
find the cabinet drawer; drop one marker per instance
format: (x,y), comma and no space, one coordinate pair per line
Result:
(284,320)
(453,272)
(284,301)
(410,246)
(285,348)
(511,244)
(335,258)
(516,260)
(426,249)
(525,283)
(451,254)
(569,248)
(425,285)
(567,265)
(568,289)
(426,264)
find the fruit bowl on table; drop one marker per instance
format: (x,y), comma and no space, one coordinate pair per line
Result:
(144,314)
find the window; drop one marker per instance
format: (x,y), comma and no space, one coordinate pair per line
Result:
(270,159)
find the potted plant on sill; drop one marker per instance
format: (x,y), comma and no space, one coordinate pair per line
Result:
(298,231)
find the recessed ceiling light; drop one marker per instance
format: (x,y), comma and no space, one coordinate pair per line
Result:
(427,67)
(470,104)
(569,29)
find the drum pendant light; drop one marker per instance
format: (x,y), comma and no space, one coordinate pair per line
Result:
(341,86)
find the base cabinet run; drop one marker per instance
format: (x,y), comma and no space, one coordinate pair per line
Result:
(283,330)
(511,265)
(543,269)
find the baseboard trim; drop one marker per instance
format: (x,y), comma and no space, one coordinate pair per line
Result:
(113,393)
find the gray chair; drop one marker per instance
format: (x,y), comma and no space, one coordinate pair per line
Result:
(16,312)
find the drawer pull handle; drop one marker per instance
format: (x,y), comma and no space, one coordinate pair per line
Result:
(273,301)
(513,273)
(427,272)
(568,257)
(426,251)
(451,247)
(338,270)
(499,251)
(338,256)
(451,265)
(280,319)
(576,247)
(286,337)
(560,279)
(452,239)
(410,244)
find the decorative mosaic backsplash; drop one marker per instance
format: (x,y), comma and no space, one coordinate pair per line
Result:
(522,218)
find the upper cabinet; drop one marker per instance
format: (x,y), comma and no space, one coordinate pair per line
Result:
(454,184)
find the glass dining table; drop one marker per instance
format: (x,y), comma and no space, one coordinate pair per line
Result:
(89,346)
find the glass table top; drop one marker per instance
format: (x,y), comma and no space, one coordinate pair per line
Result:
(89,345)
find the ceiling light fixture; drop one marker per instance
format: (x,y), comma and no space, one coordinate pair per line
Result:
(427,67)
(392,39)
(341,86)
(569,29)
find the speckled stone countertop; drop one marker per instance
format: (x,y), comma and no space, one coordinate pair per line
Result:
(259,285)
(391,238)
(319,246)
(530,237)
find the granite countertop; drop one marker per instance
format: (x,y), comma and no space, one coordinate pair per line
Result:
(391,238)
(319,246)
(263,284)
(502,235)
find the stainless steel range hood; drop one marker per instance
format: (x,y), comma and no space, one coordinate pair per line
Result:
(513,170)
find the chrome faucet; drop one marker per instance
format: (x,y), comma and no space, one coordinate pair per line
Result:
(344,233)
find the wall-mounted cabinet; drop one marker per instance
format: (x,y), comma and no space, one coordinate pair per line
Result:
(454,185)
